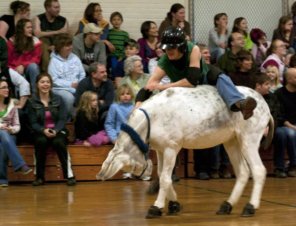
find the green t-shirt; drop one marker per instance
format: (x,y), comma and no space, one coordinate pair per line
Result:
(176,74)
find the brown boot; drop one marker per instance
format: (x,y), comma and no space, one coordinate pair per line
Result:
(247,106)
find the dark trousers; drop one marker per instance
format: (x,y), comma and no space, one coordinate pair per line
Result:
(59,144)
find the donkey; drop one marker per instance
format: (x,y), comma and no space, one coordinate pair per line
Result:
(192,118)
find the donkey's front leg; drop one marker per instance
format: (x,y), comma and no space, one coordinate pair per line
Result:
(166,189)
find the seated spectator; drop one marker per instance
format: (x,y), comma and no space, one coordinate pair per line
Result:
(284,32)
(86,122)
(117,37)
(240,24)
(148,42)
(16,81)
(66,71)
(272,71)
(131,48)
(9,126)
(218,37)
(275,55)
(93,14)
(176,18)
(47,115)
(99,83)
(47,26)
(244,74)
(21,10)
(118,114)
(153,63)
(260,46)
(24,52)
(227,62)
(88,47)
(134,74)
(285,133)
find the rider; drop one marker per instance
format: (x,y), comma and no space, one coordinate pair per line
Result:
(183,64)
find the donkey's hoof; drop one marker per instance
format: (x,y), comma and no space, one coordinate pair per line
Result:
(174,207)
(153,187)
(248,211)
(225,208)
(153,212)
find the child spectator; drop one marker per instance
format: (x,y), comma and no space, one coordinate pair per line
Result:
(272,71)
(240,24)
(24,51)
(9,125)
(86,122)
(47,115)
(117,37)
(131,48)
(118,113)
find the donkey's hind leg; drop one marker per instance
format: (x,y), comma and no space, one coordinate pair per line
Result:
(241,171)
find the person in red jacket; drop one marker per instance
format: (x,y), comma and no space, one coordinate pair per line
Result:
(24,51)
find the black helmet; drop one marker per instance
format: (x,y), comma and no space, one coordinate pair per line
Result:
(173,37)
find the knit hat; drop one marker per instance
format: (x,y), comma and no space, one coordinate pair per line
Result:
(91,28)
(271,63)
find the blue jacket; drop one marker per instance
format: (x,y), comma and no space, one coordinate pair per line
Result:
(118,113)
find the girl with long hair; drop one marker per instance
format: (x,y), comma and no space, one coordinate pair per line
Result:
(24,51)
(87,128)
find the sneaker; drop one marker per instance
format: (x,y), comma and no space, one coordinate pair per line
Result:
(280,173)
(175,178)
(225,174)
(203,176)
(127,175)
(25,169)
(214,174)
(4,185)
(71,181)
(292,173)
(247,107)
(38,182)
(146,178)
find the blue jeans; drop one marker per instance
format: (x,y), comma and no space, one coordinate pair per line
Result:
(68,99)
(228,91)
(8,151)
(32,71)
(284,139)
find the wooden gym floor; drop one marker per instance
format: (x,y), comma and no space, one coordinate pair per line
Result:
(124,202)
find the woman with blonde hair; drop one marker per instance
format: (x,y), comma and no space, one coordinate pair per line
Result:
(87,129)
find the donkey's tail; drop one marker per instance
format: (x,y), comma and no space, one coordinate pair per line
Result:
(268,139)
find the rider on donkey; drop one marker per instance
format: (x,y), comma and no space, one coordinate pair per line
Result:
(183,64)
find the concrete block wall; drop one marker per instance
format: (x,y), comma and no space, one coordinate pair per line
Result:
(134,11)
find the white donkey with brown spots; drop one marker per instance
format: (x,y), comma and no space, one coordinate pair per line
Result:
(193,118)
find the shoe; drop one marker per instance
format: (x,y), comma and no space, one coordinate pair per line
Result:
(225,174)
(38,182)
(175,178)
(127,175)
(292,172)
(280,173)
(247,107)
(4,185)
(203,176)
(71,181)
(214,174)
(25,169)
(146,178)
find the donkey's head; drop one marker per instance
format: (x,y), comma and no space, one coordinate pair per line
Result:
(125,156)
